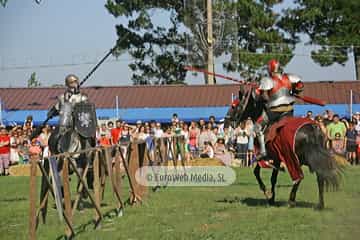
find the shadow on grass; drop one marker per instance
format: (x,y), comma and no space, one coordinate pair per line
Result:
(244,184)
(256,202)
(13,199)
(108,216)
(88,204)
(78,230)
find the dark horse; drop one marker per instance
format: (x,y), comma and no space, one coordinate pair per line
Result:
(309,148)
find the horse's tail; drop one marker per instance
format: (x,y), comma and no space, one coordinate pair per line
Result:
(327,166)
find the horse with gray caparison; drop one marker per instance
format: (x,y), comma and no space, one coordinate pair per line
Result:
(309,149)
(76,132)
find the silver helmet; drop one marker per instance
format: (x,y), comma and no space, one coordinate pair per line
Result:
(71,78)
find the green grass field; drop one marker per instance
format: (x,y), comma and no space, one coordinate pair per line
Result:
(238,211)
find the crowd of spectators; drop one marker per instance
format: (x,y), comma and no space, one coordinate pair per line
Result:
(205,138)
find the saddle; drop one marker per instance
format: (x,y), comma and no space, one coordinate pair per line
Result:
(280,143)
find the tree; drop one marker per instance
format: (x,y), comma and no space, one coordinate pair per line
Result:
(202,46)
(252,37)
(33,82)
(242,30)
(332,24)
(158,57)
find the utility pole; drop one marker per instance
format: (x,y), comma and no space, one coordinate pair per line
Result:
(1,121)
(351,103)
(117,106)
(210,57)
(356,52)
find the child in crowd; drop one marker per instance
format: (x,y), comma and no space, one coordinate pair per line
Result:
(221,152)
(208,151)
(35,148)
(24,153)
(338,144)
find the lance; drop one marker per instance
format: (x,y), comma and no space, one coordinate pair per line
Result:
(36,132)
(192,69)
(97,65)
(306,99)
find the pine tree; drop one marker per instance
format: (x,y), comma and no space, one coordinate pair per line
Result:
(332,24)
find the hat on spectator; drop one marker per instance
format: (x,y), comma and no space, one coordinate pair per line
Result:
(35,140)
(138,122)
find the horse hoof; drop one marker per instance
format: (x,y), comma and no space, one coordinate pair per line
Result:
(268,195)
(319,207)
(291,204)
(69,237)
(271,202)
(97,226)
(120,213)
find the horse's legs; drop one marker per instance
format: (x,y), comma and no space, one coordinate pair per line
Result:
(273,184)
(258,178)
(293,194)
(321,192)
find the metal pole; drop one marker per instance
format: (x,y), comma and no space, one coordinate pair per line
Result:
(351,103)
(117,106)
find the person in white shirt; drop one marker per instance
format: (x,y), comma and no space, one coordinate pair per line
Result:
(242,141)
(208,151)
(158,132)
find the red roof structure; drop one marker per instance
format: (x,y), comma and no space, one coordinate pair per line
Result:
(166,95)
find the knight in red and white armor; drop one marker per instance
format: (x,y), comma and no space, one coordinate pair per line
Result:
(278,90)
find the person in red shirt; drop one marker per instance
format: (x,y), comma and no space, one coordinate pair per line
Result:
(35,148)
(104,141)
(4,151)
(116,132)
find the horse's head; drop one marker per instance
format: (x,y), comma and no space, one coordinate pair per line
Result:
(248,105)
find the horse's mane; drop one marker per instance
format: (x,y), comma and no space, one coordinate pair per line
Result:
(254,107)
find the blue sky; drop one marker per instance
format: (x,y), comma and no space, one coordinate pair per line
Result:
(67,31)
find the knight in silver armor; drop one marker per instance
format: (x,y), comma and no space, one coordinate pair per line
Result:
(278,90)
(66,102)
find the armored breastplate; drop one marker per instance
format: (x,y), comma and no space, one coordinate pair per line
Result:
(280,93)
(67,103)
(74,98)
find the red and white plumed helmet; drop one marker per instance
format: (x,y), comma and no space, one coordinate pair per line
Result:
(273,66)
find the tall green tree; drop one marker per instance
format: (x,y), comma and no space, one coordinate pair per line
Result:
(199,43)
(252,37)
(33,81)
(332,24)
(242,30)
(156,50)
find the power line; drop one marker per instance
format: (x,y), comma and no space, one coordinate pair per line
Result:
(297,54)
(60,65)
(44,66)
